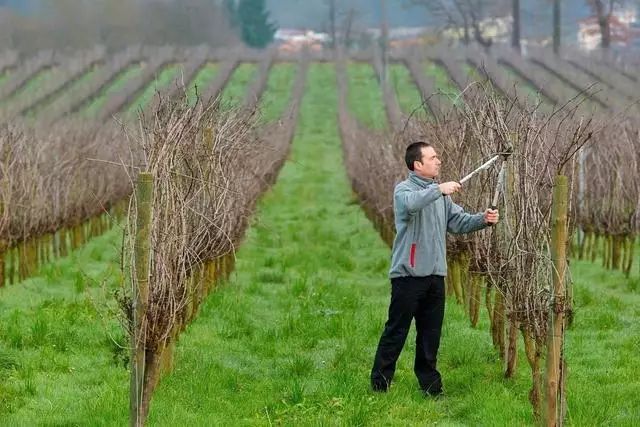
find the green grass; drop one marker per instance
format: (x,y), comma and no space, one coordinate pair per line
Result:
(35,81)
(4,77)
(83,80)
(161,81)
(277,94)
(60,359)
(29,90)
(406,90)
(472,72)
(365,96)
(603,347)
(533,95)
(117,84)
(202,80)
(476,75)
(237,86)
(441,80)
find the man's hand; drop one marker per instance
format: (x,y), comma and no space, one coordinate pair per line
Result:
(491,216)
(450,187)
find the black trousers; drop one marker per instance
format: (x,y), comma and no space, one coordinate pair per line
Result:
(422,299)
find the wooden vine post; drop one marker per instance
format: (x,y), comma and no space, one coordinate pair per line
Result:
(140,296)
(555,334)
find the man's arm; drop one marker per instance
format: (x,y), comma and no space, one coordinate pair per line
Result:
(413,200)
(460,222)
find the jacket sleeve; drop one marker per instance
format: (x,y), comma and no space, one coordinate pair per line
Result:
(460,222)
(411,201)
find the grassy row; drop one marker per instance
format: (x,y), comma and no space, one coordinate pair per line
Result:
(236,88)
(603,347)
(117,84)
(532,92)
(31,86)
(442,81)
(83,80)
(161,81)
(277,93)
(409,97)
(203,78)
(6,75)
(365,96)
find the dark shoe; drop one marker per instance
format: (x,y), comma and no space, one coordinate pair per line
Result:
(379,388)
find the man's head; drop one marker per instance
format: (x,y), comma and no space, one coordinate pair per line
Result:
(422,159)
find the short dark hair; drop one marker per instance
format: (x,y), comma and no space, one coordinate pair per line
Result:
(414,153)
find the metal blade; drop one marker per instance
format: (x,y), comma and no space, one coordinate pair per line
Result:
(499,186)
(484,166)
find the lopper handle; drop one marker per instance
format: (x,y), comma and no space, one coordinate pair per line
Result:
(493,208)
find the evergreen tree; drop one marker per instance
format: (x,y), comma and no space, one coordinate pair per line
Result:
(256,28)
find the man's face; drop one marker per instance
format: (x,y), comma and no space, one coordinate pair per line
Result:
(429,166)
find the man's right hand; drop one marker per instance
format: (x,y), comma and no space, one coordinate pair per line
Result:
(450,187)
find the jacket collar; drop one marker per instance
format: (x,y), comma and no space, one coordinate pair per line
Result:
(420,181)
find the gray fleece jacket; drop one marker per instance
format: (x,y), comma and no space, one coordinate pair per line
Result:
(423,217)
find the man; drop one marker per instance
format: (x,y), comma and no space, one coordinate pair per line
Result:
(423,212)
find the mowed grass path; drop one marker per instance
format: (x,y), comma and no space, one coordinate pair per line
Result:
(365,98)
(409,97)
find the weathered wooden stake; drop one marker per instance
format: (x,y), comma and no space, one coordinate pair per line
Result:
(532,350)
(512,349)
(140,297)
(555,334)
(497,326)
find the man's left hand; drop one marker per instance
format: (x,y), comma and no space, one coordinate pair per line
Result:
(491,216)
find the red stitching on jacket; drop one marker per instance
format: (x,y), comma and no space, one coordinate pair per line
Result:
(412,256)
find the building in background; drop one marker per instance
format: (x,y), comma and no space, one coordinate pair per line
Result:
(624,27)
(294,40)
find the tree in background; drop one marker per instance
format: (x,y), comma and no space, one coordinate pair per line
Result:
(515,32)
(333,31)
(556,26)
(464,14)
(603,10)
(341,21)
(256,28)
(116,24)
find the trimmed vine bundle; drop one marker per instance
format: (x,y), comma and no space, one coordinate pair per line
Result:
(608,200)
(58,183)
(204,168)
